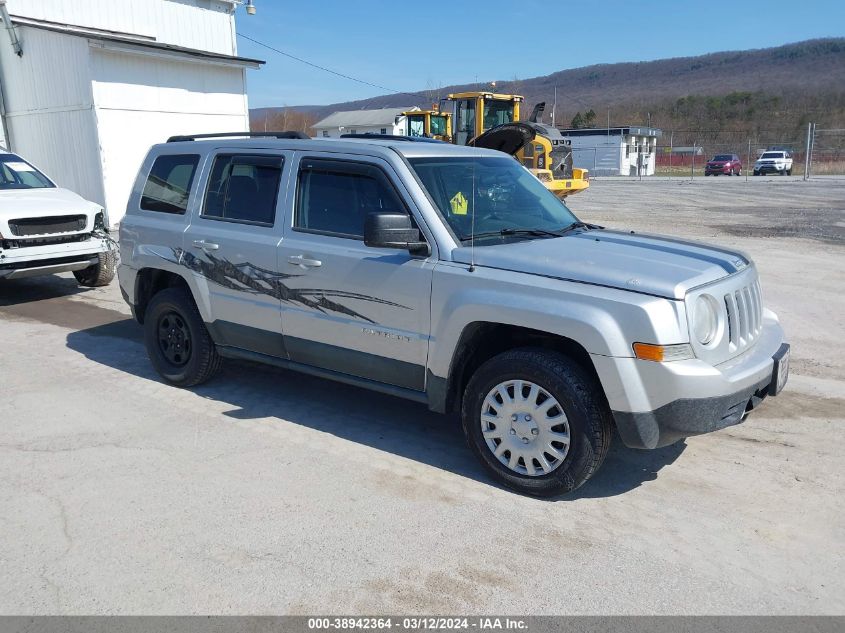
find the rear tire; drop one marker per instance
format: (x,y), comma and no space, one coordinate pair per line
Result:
(177,341)
(581,409)
(99,274)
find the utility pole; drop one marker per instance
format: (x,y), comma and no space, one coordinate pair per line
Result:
(608,127)
(554,108)
(807,152)
(692,163)
(671,150)
(748,161)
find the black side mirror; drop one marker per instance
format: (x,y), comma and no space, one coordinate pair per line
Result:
(393,230)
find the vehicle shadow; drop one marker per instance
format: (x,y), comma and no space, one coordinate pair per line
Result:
(625,469)
(16,291)
(383,422)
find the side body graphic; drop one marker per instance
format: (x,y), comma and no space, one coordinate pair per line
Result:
(246,277)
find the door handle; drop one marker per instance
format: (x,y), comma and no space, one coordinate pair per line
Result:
(206,246)
(305,262)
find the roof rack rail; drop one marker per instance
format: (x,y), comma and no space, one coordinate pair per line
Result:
(194,137)
(392,137)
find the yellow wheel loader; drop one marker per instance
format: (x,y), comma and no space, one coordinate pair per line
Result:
(429,123)
(487,119)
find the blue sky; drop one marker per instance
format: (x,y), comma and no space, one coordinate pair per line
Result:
(411,49)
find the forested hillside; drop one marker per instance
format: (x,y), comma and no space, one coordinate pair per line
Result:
(768,93)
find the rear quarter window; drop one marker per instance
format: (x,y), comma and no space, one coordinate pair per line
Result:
(168,186)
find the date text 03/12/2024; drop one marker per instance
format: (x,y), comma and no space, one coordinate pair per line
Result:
(417,623)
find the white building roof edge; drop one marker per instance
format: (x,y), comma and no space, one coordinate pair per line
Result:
(362,118)
(133,43)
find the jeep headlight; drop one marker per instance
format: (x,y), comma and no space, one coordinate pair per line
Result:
(705,319)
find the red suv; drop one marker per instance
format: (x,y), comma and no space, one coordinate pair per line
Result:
(728,164)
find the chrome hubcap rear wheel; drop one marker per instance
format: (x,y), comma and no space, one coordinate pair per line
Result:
(525,427)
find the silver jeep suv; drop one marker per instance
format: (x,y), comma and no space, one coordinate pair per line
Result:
(450,276)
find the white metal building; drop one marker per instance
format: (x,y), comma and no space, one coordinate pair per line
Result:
(89,85)
(381,121)
(615,151)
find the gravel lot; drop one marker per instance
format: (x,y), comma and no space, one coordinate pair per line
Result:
(271,492)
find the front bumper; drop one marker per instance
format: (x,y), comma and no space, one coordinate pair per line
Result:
(32,261)
(655,404)
(718,170)
(770,169)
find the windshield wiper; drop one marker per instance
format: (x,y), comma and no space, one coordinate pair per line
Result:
(532,232)
(508,232)
(579,225)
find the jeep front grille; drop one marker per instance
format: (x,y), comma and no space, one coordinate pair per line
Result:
(745,315)
(47,226)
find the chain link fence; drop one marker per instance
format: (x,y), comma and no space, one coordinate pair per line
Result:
(824,153)
(685,153)
(690,160)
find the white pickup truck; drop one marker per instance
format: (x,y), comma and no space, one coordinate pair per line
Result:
(774,161)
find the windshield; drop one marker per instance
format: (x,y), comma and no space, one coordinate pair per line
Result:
(16,173)
(497,112)
(499,191)
(723,157)
(772,155)
(438,125)
(416,125)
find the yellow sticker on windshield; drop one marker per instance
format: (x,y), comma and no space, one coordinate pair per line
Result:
(459,204)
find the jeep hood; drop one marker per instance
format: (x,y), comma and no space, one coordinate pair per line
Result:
(49,201)
(651,264)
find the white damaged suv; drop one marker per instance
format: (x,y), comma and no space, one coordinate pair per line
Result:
(45,229)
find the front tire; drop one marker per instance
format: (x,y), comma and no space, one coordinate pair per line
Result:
(177,341)
(536,421)
(99,274)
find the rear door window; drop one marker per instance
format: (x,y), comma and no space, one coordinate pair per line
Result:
(168,186)
(244,188)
